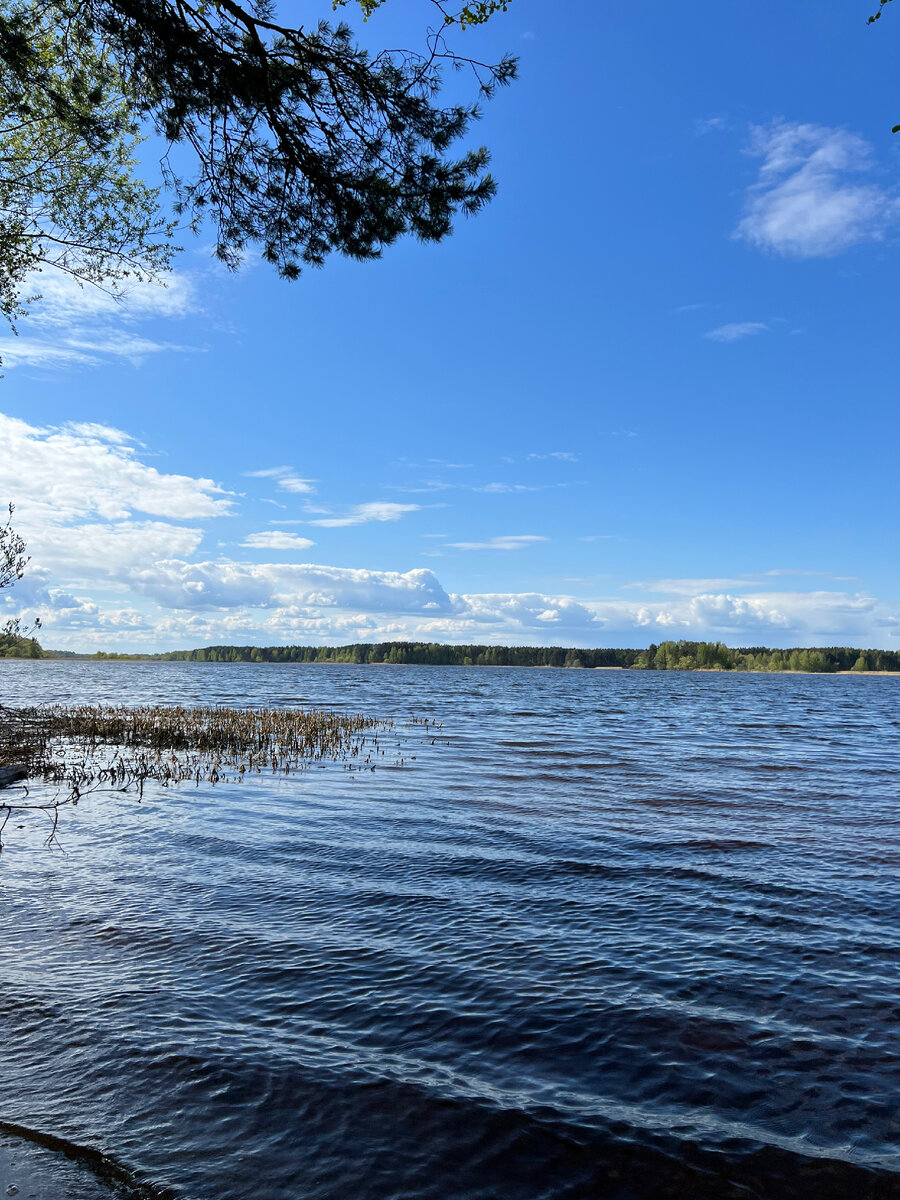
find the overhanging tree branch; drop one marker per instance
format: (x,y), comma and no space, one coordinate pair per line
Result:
(302,142)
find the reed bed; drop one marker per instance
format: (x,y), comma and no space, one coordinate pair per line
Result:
(84,748)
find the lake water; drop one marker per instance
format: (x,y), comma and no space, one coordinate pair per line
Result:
(613,935)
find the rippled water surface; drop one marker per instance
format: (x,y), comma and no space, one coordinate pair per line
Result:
(614,934)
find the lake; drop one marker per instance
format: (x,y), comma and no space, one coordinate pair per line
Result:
(624,935)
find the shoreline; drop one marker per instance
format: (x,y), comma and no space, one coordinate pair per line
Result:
(470,666)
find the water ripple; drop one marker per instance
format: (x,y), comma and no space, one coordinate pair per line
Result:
(614,935)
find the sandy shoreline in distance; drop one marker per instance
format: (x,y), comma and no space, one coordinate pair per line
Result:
(858,672)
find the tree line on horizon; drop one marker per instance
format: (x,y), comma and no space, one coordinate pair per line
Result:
(667,656)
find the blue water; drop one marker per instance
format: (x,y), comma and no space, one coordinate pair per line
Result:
(614,934)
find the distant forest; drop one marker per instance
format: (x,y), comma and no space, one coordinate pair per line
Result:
(669,656)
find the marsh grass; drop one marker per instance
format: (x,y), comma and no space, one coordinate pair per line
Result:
(86,748)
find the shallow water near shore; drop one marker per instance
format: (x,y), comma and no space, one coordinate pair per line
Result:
(625,935)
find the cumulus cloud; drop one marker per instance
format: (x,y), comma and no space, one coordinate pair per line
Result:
(92,512)
(289,587)
(276,539)
(115,540)
(112,548)
(516,541)
(735,331)
(785,617)
(187,603)
(807,201)
(361,514)
(78,471)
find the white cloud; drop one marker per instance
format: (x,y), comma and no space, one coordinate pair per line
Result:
(500,488)
(114,567)
(288,587)
(736,331)
(62,473)
(705,125)
(508,542)
(64,302)
(26,352)
(806,202)
(425,485)
(91,511)
(276,539)
(112,548)
(684,308)
(361,514)
(195,603)
(97,432)
(296,485)
(689,587)
(287,479)
(83,326)
(122,345)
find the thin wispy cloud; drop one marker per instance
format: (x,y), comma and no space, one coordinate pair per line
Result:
(751,580)
(499,488)
(735,331)
(73,326)
(807,201)
(560,455)
(707,125)
(286,479)
(362,514)
(276,539)
(507,542)
(27,352)
(95,431)
(425,486)
(803,571)
(65,302)
(690,587)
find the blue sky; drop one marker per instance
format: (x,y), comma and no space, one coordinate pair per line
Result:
(650,392)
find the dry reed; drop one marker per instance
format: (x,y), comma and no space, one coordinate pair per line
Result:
(86,747)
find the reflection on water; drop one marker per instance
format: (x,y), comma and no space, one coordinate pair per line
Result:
(624,935)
